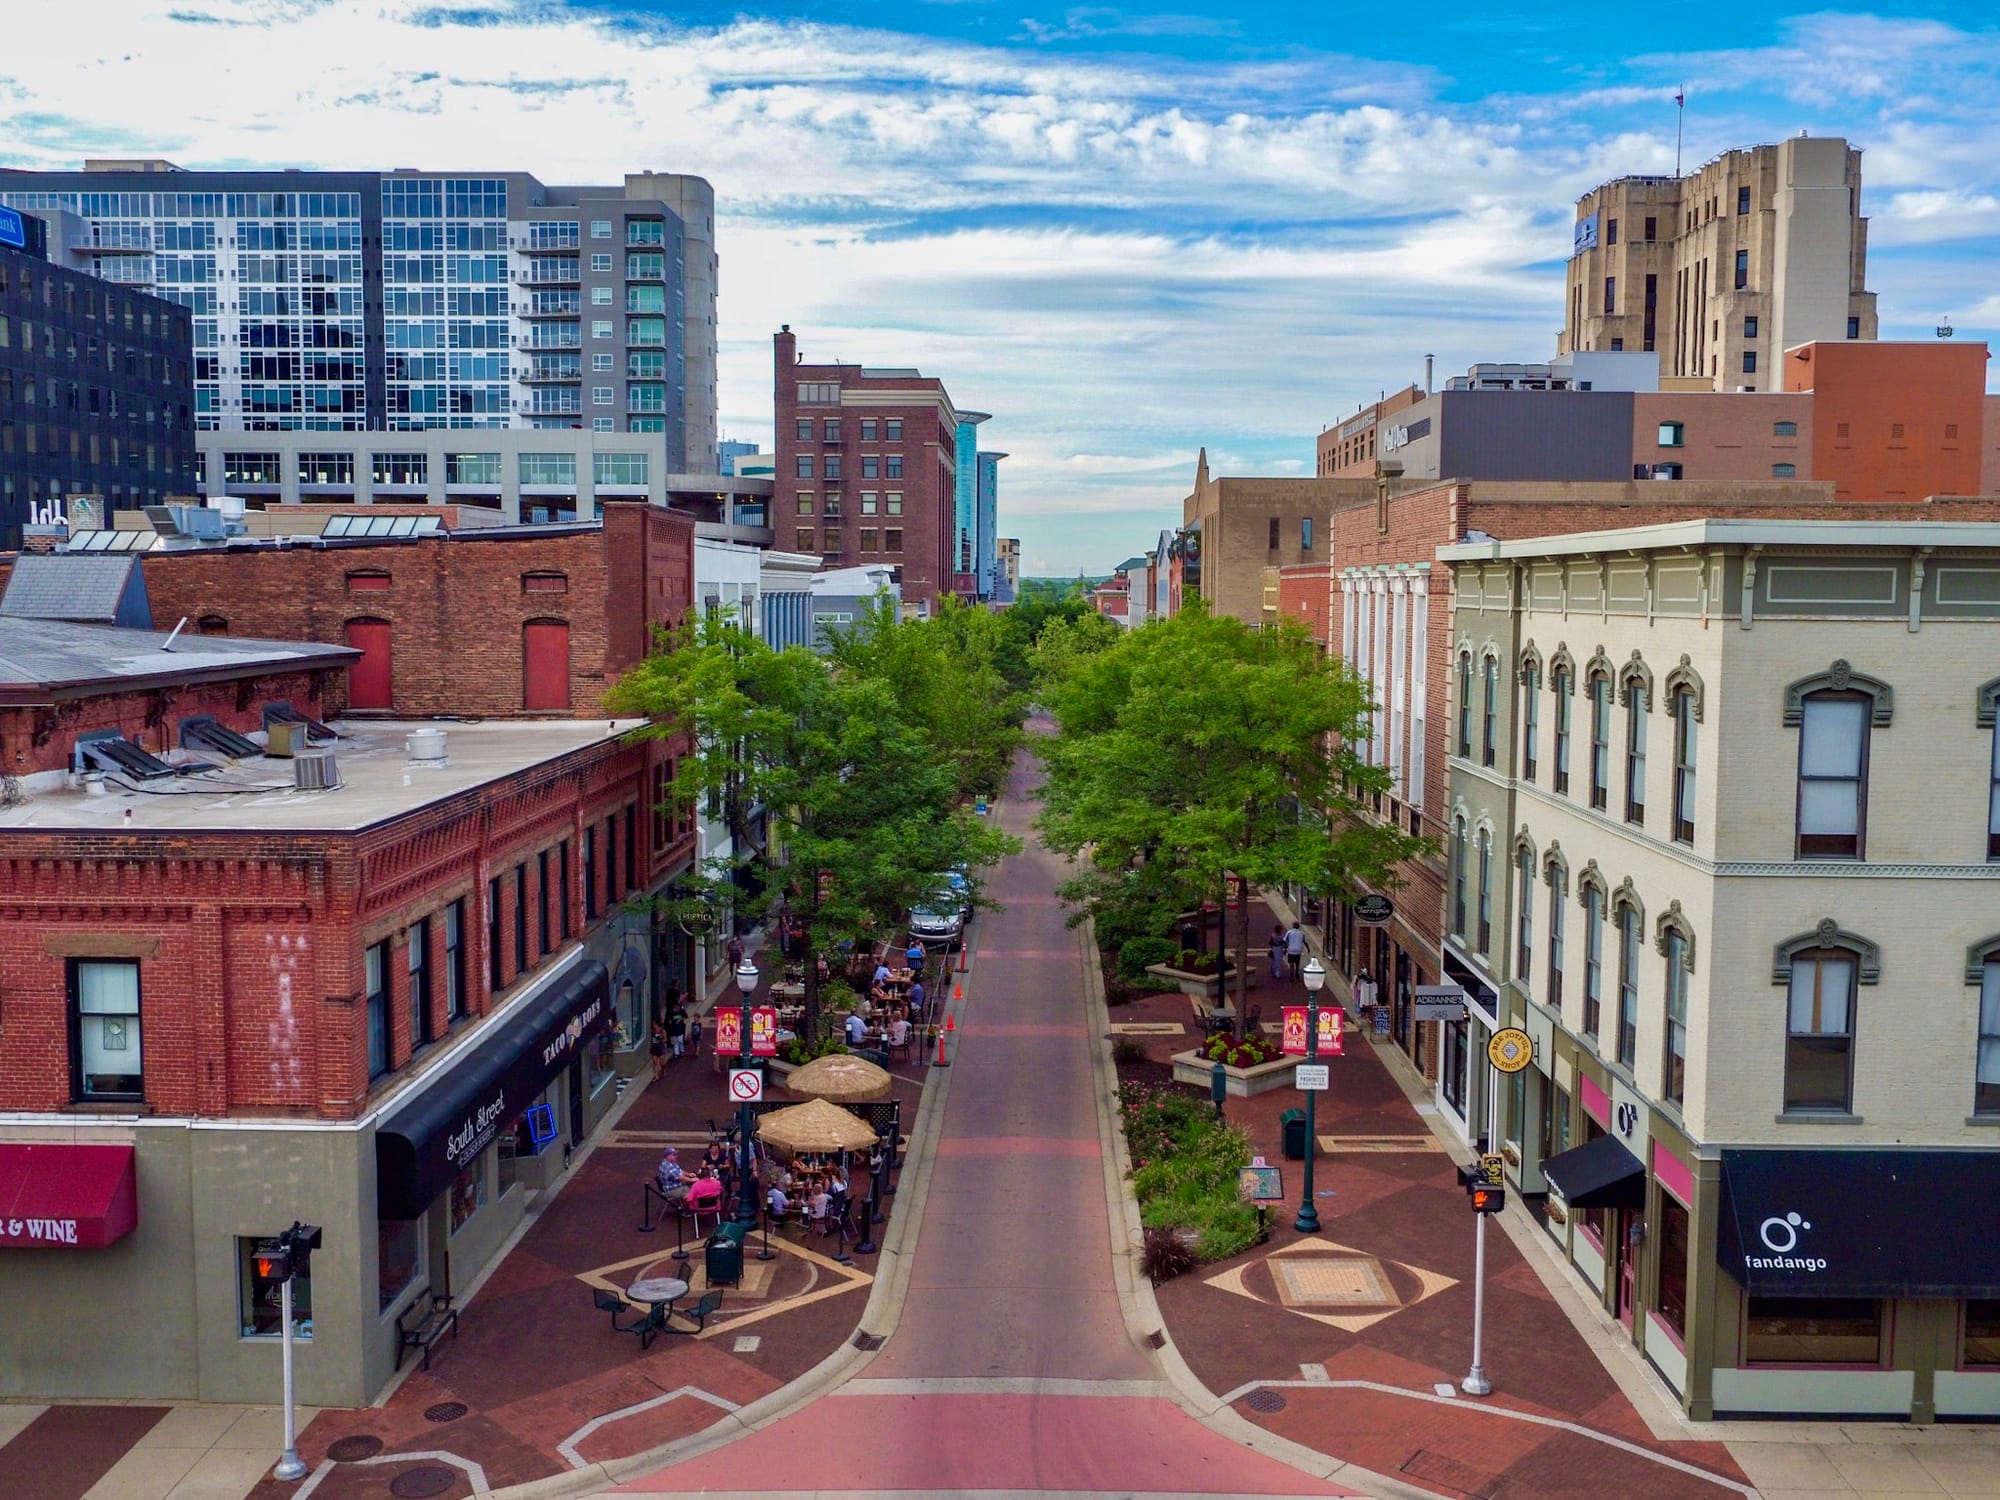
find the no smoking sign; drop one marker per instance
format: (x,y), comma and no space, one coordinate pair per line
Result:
(746,1085)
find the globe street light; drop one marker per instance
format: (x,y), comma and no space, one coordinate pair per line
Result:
(1315,977)
(746,1207)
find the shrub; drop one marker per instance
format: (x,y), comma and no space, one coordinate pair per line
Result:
(1125,1050)
(1135,953)
(797,1052)
(838,995)
(1240,1051)
(1185,1161)
(1165,1254)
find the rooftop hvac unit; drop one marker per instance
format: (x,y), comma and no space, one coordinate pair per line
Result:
(286,738)
(315,771)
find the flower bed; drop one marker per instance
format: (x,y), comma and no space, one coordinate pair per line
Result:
(1193,1068)
(1184,1167)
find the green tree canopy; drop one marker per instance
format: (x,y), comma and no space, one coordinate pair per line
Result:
(864,808)
(1194,749)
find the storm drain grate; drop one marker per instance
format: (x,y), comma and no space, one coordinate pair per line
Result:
(422,1482)
(1156,1339)
(349,1450)
(869,1341)
(1265,1400)
(445,1411)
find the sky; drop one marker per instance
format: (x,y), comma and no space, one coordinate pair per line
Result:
(1127,233)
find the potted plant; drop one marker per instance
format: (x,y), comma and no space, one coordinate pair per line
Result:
(1250,1065)
(1197,973)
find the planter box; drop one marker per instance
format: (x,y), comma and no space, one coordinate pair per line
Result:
(1197,986)
(1243,1083)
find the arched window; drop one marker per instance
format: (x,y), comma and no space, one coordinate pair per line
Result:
(1524,909)
(1635,692)
(1592,892)
(1675,940)
(1531,711)
(1555,870)
(1631,939)
(545,665)
(1562,683)
(1461,856)
(1982,969)
(1986,715)
(1597,687)
(1465,705)
(1489,723)
(1485,890)
(1822,972)
(1684,704)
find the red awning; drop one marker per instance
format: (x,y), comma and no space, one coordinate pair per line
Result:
(61,1197)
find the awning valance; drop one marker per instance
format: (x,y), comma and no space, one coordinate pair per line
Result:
(64,1197)
(1600,1173)
(1861,1223)
(422,1146)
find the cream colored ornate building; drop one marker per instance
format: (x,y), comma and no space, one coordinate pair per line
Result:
(1725,840)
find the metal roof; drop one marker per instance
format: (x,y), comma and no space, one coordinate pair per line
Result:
(62,586)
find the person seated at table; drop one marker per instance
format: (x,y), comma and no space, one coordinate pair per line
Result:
(857,1029)
(918,996)
(914,955)
(883,974)
(816,1207)
(670,1179)
(716,1155)
(705,1192)
(778,1204)
(899,1032)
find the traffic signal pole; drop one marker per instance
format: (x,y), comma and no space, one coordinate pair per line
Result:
(289,1465)
(1475,1382)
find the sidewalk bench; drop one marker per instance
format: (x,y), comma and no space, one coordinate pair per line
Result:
(434,1315)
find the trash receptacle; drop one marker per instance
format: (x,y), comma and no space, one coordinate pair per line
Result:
(1293,1123)
(723,1262)
(735,1229)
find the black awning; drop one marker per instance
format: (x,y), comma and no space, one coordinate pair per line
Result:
(423,1146)
(1861,1223)
(1600,1173)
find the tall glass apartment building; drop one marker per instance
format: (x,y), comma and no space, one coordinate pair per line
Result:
(986,525)
(403,301)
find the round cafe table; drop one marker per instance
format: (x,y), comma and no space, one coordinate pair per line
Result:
(657,1289)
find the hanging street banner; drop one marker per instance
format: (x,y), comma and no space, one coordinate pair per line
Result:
(1332,1021)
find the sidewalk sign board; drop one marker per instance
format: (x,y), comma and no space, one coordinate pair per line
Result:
(1311,1076)
(1260,1184)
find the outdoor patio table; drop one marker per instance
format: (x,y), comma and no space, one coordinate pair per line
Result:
(654,1290)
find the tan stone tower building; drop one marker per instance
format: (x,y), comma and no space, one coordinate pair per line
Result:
(1724,269)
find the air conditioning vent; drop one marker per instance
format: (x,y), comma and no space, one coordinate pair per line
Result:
(315,771)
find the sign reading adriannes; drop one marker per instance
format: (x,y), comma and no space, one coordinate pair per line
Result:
(423,1145)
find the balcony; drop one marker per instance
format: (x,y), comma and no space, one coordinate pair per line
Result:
(554,272)
(552,336)
(554,305)
(552,403)
(547,371)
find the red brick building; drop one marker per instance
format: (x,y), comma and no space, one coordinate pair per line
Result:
(231,998)
(866,468)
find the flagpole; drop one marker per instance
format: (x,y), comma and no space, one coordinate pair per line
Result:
(1680,114)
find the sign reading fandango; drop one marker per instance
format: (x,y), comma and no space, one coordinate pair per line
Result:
(1781,1238)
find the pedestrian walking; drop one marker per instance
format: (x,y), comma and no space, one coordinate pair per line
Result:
(659,1046)
(1277,951)
(1295,949)
(693,1035)
(735,951)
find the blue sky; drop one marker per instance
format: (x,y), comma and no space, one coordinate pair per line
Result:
(1127,232)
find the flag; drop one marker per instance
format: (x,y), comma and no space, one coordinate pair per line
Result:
(1681,97)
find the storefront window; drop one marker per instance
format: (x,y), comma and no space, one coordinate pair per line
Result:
(1982,1332)
(1813,1331)
(631,1017)
(603,1048)
(1670,1299)
(1561,1123)
(1451,1071)
(1517,1106)
(399,1249)
(520,1138)
(1596,1224)
(468,1193)
(262,1302)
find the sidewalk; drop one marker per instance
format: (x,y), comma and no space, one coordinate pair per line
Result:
(536,1383)
(1352,1341)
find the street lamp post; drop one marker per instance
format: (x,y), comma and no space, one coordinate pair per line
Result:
(1315,977)
(746,1206)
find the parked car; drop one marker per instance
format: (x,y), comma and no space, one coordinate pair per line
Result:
(942,922)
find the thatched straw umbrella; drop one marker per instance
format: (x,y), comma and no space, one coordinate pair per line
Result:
(814,1128)
(840,1078)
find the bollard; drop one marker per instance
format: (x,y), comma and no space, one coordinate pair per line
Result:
(950,1025)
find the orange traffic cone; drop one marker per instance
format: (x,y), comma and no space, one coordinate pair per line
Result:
(950,1024)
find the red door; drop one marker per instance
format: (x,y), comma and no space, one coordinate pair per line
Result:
(1628,1265)
(545,665)
(369,681)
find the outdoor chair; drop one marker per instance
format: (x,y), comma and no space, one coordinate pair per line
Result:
(611,1302)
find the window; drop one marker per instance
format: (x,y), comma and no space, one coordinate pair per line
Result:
(1993,799)
(601,363)
(542,890)
(1671,1268)
(600,328)
(1750,325)
(1559,682)
(261,1302)
(1629,940)
(1672,434)
(454,960)
(805,429)
(600,264)
(1986,1068)
(1819,1030)
(520,919)
(892,429)
(1833,775)
(600,229)
(807,502)
(1305,533)
(1742,269)
(600,395)
(620,468)
(892,503)
(468,1192)
(1465,705)
(1749,361)
(1652,230)
(1485,890)
(600,296)
(1593,959)
(892,539)
(831,429)
(1813,1331)
(868,537)
(376,966)
(1524,915)
(590,873)
(107,1058)
(833,466)
(1490,711)
(631,848)
(1616,345)
(802,539)
(819,393)
(550,470)
(868,426)
(1600,741)
(1685,730)
(419,951)
(1743,200)
(1610,295)
(871,502)
(1555,985)
(1531,719)
(803,466)
(1610,231)
(1636,713)
(1461,857)
(493,935)
(871,466)
(1982,1332)
(1854,328)
(562,890)
(398,1258)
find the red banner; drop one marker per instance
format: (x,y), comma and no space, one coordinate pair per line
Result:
(763,1031)
(1332,1020)
(728,1033)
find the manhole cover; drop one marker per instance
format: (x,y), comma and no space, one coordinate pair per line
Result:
(445,1411)
(1264,1400)
(349,1450)
(422,1483)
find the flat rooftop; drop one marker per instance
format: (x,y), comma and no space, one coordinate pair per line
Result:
(379,781)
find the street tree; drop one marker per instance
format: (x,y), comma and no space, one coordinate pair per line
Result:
(865,819)
(1194,750)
